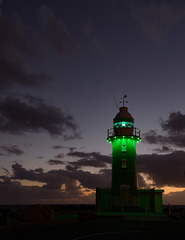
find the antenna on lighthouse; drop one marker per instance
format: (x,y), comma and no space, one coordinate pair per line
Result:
(123,100)
(115,102)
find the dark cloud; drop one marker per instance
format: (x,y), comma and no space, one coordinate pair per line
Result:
(107,171)
(177,140)
(94,155)
(165,169)
(90,159)
(33,100)
(18,117)
(15,72)
(152,137)
(57,147)
(91,180)
(62,147)
(14,149)
(79,154)
(85,162)
(90,33)
(175,123)
(13,38)
(156,17)
(11,190)
(55,162)
(21,47)
(6,170)
(40,157)
(59,156)
(163,149)
(21,173)
(173,131)
(55,178)
(56,32)
(18,43)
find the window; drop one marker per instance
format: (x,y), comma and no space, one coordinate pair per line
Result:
(124,163)
(123,148)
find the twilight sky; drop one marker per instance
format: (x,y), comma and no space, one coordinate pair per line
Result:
(61,63)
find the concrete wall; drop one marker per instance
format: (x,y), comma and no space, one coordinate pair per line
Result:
(149,199)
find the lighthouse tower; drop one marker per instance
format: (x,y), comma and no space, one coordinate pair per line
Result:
(124,137)
(124,192)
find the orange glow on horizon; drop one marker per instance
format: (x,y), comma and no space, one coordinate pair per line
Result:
(169,189)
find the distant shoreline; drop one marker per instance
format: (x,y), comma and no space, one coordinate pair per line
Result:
(71,206)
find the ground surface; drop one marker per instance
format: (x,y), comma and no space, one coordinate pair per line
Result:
(105,227)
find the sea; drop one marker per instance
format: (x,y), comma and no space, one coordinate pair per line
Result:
(55,206)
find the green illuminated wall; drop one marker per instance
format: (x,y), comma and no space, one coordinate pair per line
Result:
(124,137)
(124,170)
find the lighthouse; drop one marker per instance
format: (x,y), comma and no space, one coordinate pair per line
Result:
(124,192)
(124,136)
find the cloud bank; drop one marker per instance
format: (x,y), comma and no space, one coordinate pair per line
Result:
(18,117)
(21,44)
(164,169)
(11,150)
(15,50)
(56,33)
(173,132)
(155,18)
(61,186)
(73,183)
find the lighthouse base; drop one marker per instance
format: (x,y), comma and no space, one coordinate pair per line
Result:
(129,200)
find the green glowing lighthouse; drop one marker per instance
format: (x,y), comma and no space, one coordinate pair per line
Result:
(124,137)
(124,194)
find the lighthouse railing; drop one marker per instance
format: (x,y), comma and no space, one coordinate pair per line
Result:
(137,132)
(111,132)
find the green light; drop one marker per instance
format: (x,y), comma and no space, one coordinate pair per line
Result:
(124,124)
